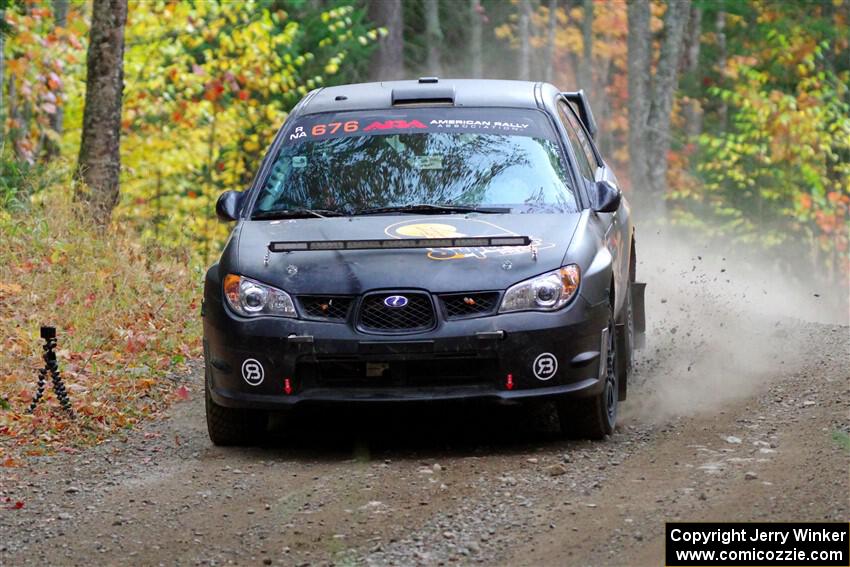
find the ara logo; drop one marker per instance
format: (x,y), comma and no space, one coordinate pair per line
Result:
(253,372)
(395,125)
(395,301)
(545,366)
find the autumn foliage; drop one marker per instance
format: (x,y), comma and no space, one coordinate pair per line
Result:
(208,86)
(760,152)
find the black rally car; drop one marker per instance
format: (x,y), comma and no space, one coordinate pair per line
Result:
(423,241)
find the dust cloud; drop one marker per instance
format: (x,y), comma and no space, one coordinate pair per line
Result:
(720,326)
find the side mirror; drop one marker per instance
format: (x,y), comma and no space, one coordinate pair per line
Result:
(608,198)
(228,205)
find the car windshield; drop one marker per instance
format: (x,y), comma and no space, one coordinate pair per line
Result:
(425,159)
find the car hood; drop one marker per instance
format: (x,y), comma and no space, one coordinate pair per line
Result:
(436,270)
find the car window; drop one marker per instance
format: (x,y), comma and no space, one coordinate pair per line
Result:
(505,158)
(581,148)
(586,144)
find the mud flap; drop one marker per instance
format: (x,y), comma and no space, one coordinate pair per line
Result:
(639,313)
(624,364)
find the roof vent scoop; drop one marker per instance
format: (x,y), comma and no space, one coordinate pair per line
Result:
(425,80)
(428,94)
(579,101)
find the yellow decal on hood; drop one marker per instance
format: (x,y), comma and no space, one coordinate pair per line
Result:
(459,228)
(428,230)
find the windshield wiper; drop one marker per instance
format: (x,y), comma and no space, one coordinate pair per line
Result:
(432,209)
(297,214)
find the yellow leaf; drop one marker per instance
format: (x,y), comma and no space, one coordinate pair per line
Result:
(9,288)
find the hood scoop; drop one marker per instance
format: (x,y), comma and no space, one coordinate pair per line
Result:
(397,244)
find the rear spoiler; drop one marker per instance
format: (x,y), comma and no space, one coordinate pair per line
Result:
(395,243)
(579,100)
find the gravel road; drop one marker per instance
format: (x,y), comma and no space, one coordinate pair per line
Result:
(739,409)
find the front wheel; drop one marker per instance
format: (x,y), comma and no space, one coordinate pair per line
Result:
(232,426)
(594,418)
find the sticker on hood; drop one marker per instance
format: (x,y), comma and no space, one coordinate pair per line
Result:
(461,228)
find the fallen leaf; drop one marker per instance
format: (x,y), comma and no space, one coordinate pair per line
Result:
(183,393)
(9,288)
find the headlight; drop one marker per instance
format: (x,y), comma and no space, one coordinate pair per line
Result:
(546,292)
(251,298)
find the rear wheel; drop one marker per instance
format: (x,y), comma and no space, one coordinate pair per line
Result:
(594,418)
(232,426)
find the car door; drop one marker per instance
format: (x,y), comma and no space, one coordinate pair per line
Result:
(592,169)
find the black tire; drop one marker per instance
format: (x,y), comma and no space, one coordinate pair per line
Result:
(595,417)
(230,426)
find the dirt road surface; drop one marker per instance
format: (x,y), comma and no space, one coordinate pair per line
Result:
(738,410)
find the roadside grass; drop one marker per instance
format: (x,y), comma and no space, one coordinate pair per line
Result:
(127,319)
(842,438)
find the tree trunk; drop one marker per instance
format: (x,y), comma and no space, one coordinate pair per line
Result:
(585,73)
(666,80)
(434,37)
(99,163)
(388,60)
(720,33)
(651,101)
(52,148)
(571,77)
(2,82)
(475,38)
(17,121)
(602,106)
(550,43)
(524,40)
(639,59)
(693,110)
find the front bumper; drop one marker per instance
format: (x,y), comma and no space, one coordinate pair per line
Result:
(275,363)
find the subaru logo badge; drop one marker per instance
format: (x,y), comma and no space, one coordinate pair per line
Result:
(395,301)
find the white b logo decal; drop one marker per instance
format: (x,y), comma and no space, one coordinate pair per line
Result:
(252,372)
(545,366)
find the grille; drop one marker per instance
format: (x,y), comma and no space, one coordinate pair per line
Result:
(325,307)
(417,315)
(463,305)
